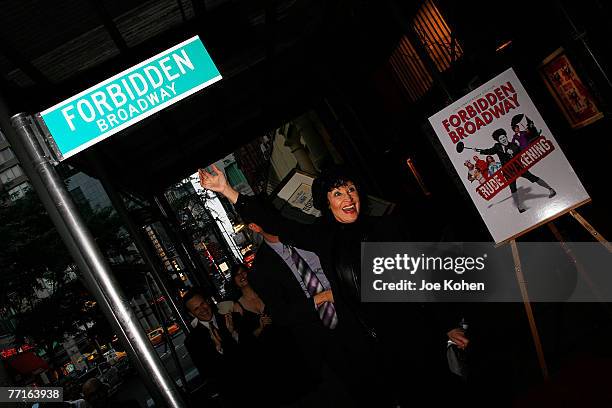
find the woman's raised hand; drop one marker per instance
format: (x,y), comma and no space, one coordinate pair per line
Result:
(213,181)
(216,182)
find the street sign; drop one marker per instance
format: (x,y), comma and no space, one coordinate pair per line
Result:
(129,97)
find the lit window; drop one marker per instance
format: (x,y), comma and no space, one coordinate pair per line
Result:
(410,70)
(10,174)
(436,36)
(19,191)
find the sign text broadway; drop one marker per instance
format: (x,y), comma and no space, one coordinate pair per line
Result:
(130,96)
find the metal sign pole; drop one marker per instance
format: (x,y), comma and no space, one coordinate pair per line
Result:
(138,238)
(87,255)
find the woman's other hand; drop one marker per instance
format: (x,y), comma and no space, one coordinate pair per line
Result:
(457,336)
(264,321)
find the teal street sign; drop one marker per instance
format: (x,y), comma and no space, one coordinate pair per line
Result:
(129,97)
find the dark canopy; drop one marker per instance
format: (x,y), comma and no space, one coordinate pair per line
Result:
(275,57)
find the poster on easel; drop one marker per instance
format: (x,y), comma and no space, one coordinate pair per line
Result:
(507,158)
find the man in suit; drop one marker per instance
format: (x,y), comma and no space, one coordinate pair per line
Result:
(282,289)
(96,394)
(505,151)
(212,347)
(331,357)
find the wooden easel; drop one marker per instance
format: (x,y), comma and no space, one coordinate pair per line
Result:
(418,177)
(525,295)
(519,271)
(523,283)
(591,230)
(583,273)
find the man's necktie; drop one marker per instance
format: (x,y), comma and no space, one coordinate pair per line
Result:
(216,336)
(327,310)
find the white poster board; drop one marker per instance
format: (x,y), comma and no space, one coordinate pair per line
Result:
(525,179)
(298,193)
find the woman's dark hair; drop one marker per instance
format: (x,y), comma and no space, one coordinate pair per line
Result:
(329,179)
(237,268)
(230,286)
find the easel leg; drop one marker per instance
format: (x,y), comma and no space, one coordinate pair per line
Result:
(570,255)
(418,177)
(591,230)
(578,265)
(534,329)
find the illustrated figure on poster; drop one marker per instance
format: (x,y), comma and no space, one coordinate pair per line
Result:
(524,130)
(493,166)
(473,172)
(481,165)
(505,151)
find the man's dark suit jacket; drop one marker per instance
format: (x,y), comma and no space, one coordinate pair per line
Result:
(287,303)
(343,349)
(210,363)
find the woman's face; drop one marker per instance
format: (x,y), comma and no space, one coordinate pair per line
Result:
(344,203)
(241,278)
